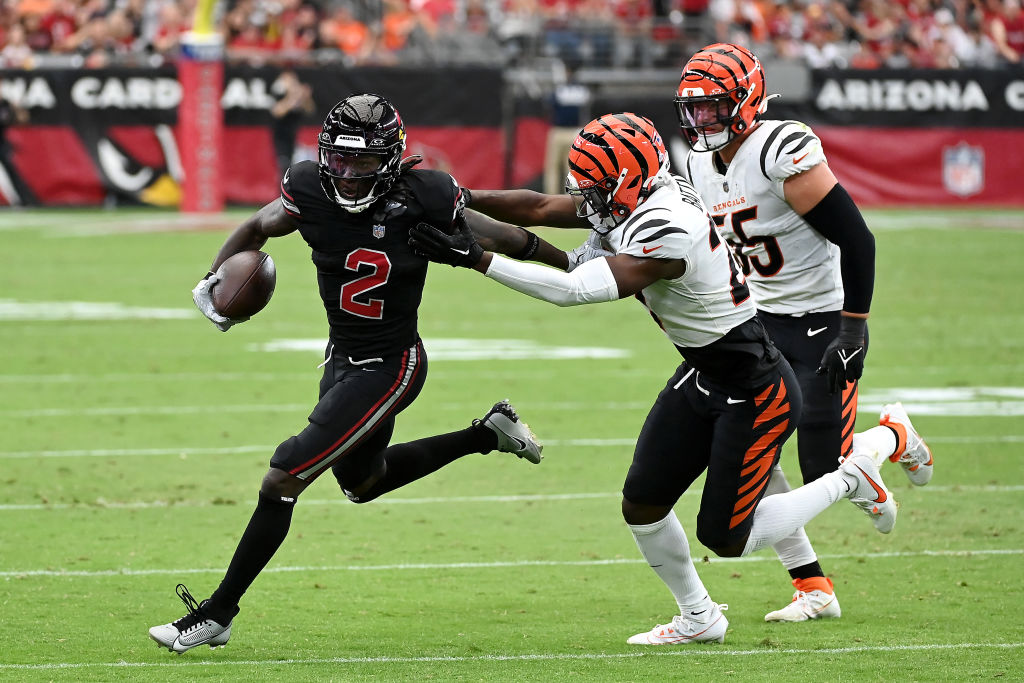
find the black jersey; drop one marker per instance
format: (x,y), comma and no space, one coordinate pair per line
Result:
(371,282)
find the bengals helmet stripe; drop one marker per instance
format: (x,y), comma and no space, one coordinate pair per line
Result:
(731,77)
(638,127)
(613,163)
(721,93)
(597,164)
(729,66)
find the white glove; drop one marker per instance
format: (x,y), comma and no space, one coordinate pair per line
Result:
(204,302)
(588,251)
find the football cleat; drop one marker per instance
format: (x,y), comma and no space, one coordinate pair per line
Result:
(807,604)
(514,435)
(912,453)
(193,629)
(708,626)
(870,494)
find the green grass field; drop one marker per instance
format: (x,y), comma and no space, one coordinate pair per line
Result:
(135,436)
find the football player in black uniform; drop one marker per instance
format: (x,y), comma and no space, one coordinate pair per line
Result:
(355,209)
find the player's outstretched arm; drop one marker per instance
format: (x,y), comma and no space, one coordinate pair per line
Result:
(601,279)
(270,221)
(526,207)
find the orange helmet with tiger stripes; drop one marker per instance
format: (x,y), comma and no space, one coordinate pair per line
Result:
(721,94)
(613,164)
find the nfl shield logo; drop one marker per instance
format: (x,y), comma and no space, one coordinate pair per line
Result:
(378,231)
(963,169)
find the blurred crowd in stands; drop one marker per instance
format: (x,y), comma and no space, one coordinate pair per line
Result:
(863,34)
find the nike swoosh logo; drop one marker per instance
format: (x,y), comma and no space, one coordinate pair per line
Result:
(825,606)
(522,444)
(460,251)
(648,251)
(878,489)
(731,400)
(800,158)
(811,333)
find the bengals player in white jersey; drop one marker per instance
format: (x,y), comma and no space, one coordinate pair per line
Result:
(728,407)
(809,261)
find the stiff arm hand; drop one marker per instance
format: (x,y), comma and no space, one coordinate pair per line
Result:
(458,248)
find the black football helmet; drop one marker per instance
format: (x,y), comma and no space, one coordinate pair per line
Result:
(361,147)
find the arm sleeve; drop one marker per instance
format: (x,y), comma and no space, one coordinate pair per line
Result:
(839,220)
(591,282)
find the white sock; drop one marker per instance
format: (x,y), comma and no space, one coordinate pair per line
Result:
(794,550)
(664,546)
(778,516)
(879,442)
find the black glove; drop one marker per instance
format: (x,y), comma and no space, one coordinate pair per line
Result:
(467,196)
(844,358)
(459,248)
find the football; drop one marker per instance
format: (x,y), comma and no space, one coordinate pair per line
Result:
(246,283)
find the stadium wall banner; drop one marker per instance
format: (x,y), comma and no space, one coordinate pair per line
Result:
(116,132)
(902,137)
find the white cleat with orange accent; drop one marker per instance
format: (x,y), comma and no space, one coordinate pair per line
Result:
(870,493)
(912,453)
(808,604)
(706,626)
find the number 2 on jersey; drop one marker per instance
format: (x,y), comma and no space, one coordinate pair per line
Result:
(371,308)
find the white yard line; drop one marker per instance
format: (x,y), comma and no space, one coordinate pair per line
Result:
(764,557)
(269,448)
(695,651)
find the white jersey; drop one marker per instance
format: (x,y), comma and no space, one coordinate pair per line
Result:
(710,298)
(791,268)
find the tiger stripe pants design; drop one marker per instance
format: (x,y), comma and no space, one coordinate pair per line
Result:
(825,430)
(736,435)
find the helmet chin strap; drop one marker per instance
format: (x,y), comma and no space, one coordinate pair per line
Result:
(713,141)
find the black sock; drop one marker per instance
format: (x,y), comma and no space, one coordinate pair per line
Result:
(807,571)
(407,462)
(261,539)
